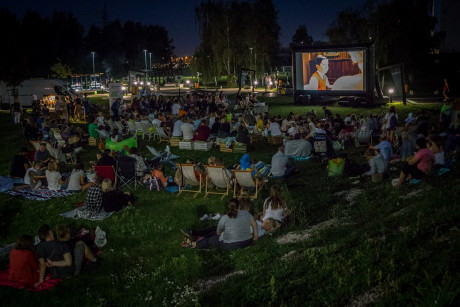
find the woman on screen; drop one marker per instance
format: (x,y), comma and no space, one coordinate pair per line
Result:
(352,83)
(319,81)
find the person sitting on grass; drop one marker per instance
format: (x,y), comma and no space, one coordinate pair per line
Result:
(376,164)
(385,149)
(23,262)
(114,199)
(275,206)
(158,172)
(93,201)
(281,166)
(53,256)
(78,249)
(77,179)
(418,166)
(233,231)
(53,177)
(20,164)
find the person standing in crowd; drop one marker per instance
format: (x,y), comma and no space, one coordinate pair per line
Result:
(17,111)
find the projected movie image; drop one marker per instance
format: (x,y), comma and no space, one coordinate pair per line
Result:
(331,71)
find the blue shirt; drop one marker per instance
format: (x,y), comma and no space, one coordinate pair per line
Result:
(385,150)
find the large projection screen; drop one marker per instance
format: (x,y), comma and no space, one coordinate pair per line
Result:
(330,72)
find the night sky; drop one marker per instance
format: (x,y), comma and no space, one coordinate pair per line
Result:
(178,16)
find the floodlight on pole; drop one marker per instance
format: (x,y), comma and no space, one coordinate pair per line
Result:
(150,55)
(145,57)
(94,70)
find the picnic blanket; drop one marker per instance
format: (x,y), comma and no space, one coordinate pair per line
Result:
(131,142)
(40,194)
(48,284)
(7,183)
(83,213)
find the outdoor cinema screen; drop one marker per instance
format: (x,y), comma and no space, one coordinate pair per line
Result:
(331,70)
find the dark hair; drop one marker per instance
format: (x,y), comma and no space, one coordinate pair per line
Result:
(421,143)
(43,231)
(233,205)
(79,166)
(25,242)
(319,59)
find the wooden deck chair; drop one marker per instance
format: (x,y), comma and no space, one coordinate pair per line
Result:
(146,131)
(52,150)
(119,126)
(163,137)
(244,179)
(188,173)
(217,176)
(106,172)
(111,124)
(131,127)
(36,144)
(58,137)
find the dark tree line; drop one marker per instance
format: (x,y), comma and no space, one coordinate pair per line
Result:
(236,34)
(34,44)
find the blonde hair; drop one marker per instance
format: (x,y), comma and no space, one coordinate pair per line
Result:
(62,233)
(52,166)
(106,185)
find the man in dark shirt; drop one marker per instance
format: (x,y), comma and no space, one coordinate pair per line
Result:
(42,155)
(107,159)
(54,255)
(20,164)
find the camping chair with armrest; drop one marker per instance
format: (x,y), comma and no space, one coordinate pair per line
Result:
(146,131)
(217,176)
(131,127)
(139,128)
(188,173)
(244,179)
(126,170)
(106,171)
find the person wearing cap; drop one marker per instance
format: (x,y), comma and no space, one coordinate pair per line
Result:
(20,164)
(42,154)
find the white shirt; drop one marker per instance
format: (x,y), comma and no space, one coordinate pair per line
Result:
(177,128)
(275,129)
(27,177)
(74,181)
(187,131)
(175,109)
(53,180)
(274,214)
(156,122)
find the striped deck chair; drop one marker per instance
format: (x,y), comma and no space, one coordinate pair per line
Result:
(216,176)
(188,173)
(163,137)
(119,126)
(111,124)
(244,179)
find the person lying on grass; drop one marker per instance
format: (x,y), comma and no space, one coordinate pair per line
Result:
(79,250)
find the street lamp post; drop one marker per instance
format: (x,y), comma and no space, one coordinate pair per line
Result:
(94,71)
(250,65)
(145,56)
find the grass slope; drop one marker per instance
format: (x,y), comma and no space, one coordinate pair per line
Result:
(347,244)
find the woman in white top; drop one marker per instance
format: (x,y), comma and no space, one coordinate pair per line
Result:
(391,117)
(77,179)
(53,177)
(274,206)
(274,128)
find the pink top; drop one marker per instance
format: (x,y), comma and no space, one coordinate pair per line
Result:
(425,160)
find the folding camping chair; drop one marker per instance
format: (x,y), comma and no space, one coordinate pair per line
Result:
(217,176)
(111,124)
(145,131)
(106,172)
(363,136)
(126,170)
(131,127)
(244,179)
(188,173)
(119,126)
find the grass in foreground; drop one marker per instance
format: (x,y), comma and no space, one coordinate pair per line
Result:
(371,244)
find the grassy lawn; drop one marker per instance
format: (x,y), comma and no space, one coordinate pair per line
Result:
(346,244)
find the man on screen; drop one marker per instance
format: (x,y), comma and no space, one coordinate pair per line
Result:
(319,81)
